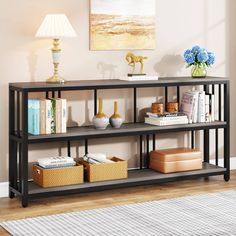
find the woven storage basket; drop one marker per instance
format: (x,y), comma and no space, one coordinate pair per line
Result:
(58,176)
(106,171)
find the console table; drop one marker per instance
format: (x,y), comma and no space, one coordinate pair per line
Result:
(19,139)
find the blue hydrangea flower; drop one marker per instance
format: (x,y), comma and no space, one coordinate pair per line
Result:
(189,58)
(195,49)
(188,51)
(211,58)
(202,56)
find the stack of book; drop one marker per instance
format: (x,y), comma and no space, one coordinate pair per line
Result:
(166,118)
(56,162)
(198,106)
(47,116)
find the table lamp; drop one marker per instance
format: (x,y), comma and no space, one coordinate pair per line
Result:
(55,26)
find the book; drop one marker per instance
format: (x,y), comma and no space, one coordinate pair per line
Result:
(30,116)
(201,107)
(167,117)
(58,115)
(195,105)
(55,160)
(48,116)
(63,115)
(45,116)
(207,108)
(53,115)
(154,121)
(34,117)
(187,105)
(139,77)
(50,166)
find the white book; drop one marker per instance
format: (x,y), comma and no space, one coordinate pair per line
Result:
(58,115)
(63,115)
(201,107)
(187,105)
(195,105)
(48,108)
(153,121)
(152,115)
(55,160)
(43,115)
(207,108)
(139,78)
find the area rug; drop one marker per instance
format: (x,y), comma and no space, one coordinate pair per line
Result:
(208,214)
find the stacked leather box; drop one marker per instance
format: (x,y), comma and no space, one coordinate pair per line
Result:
(175,160)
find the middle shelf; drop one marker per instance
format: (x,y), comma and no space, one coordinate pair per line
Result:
(128,129)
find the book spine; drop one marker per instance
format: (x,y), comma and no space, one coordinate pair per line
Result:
(30,116)
(63,116)
(201,107)
(163,123)
(195,107)
(207,108)
(43,117)
(53,116)
(58,115)
(48,116)
(212,107)
(36,117)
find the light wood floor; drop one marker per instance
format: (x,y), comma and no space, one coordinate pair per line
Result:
(11,209)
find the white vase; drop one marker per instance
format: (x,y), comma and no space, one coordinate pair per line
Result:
(116,120)
(100,121)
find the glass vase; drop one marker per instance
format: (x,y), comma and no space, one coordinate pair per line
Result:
(199,72)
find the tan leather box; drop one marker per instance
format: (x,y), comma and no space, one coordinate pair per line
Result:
(175,160)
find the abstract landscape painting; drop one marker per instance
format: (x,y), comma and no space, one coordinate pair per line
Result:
(122,24)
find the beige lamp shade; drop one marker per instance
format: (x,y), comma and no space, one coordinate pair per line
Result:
(55,26)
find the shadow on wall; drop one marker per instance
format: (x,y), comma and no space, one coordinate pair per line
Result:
(106,70)
(169,65)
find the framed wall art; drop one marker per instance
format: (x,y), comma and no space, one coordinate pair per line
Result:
(122,24)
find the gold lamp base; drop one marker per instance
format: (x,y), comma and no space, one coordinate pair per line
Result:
(56,80)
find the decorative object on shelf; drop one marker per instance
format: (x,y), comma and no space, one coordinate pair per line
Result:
(116,120)
(122,25)
(199,58)
(100,121)
(175,160)
(173,106)
(132,61)
(158,107)
(117,168)
(55,26)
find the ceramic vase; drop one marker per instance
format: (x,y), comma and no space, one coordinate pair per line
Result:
(199,72)
(116,120)
(100,121)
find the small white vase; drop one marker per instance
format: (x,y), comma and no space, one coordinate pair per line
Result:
(100,121)
(116,120)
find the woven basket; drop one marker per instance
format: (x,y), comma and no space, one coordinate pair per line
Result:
(58,176)
(106,171)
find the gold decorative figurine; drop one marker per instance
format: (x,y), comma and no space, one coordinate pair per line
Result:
(133,60)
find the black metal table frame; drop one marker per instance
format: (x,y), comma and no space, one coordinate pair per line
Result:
(19,138)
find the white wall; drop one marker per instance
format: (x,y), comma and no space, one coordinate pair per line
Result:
(179,24)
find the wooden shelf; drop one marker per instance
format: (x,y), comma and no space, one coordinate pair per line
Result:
(129,129)
(113,84)
(135,177)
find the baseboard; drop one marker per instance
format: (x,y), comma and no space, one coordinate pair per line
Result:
(4,189)
(5,185)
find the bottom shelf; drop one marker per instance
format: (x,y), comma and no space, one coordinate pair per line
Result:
(135,178)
